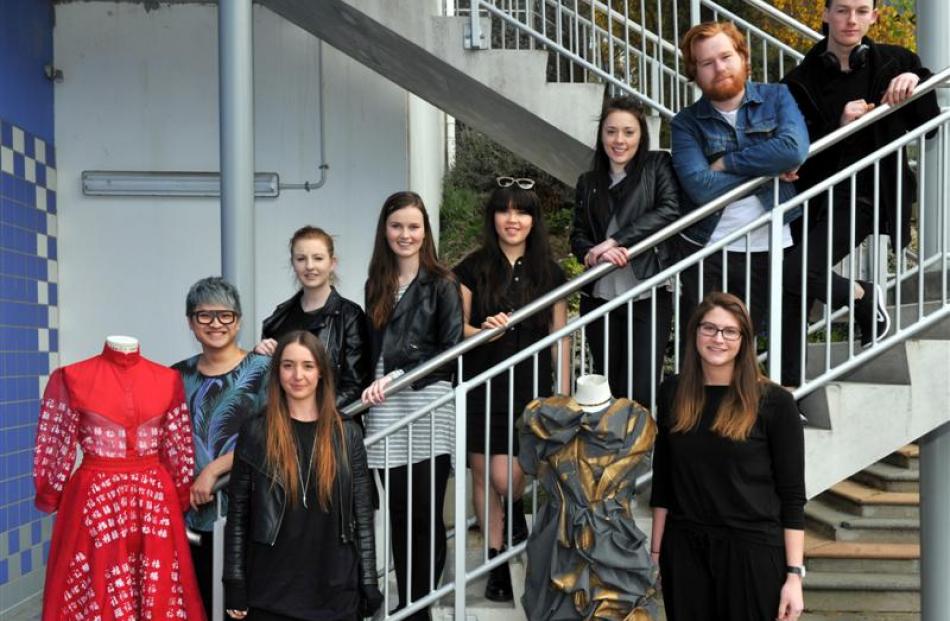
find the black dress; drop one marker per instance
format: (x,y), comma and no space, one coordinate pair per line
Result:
(518,337)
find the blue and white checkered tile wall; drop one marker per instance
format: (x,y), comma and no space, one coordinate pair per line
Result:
(29,345)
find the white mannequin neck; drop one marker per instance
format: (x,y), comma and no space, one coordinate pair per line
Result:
(122,344)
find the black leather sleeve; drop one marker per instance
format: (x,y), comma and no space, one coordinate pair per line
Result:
(447,325)
(237,531)
(362,504)
(582,237)
(664,203)
(354,356)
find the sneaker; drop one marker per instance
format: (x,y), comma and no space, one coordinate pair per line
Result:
(870,317)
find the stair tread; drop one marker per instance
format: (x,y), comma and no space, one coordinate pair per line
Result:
(860,581)
(889,472)
(839,519)
(865,495)
(819,547)
(911,450)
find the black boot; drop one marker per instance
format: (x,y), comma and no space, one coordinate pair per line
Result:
(498,588)
(519,525)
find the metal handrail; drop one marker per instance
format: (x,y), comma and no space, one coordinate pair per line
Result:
(747,25)
(785,19)
(589,276)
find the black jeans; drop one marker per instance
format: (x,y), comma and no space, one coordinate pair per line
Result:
(756,298)
(624,367)
(818,257)
(426,521)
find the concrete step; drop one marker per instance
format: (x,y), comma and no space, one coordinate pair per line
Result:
(889,478)
(933,287)
(862,593)
(830,523)
(858,499)
(905,457)
(828,556)
(860,616)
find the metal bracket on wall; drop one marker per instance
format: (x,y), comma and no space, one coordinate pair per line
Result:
(480,41)
(52,73)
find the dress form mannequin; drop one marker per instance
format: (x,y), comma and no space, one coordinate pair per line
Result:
(586,557)
(118,548)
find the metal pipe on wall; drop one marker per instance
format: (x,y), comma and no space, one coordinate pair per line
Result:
(236,110)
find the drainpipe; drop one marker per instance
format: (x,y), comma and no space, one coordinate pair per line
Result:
(236,110)
(933,23)
(322,120)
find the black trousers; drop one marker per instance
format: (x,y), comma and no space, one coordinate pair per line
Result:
(757,299)
(424,516)
(710,576)
(203,559)
(621,364)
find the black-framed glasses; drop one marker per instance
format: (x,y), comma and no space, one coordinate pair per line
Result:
(207,317)
(728,333)
(522,182)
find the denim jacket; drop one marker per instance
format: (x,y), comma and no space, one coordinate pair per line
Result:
(770,138)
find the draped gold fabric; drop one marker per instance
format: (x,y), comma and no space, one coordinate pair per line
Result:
(586,557)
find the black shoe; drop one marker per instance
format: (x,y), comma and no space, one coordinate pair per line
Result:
(498,588)
(871,317)
(519,524)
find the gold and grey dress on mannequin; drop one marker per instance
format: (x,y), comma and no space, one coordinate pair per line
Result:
(587,559)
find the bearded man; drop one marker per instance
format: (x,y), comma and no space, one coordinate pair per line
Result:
(738,130)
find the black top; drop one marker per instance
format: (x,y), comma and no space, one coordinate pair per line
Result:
(299,319)
(751,489)
(308,573)
(515,339)
(840,88)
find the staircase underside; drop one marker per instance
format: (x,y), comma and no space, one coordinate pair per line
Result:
(503,93)
(860,419)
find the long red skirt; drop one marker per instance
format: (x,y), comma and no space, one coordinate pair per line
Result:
(119,550)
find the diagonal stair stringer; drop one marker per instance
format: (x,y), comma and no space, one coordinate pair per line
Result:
(503,93)
(868,421)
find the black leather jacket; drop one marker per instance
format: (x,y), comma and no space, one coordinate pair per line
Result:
(342,328)
(426,321)
(644,202)
(810,79)
(256,507)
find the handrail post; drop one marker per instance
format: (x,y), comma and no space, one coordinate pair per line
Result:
(474,38)
(776,256)
(461,506)
(695,13)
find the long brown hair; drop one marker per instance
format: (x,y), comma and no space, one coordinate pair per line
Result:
(382,282)
(281,447)
(739,408)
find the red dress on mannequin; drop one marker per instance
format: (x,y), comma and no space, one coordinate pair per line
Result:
(119,550)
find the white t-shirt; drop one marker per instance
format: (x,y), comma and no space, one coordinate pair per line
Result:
(743,211)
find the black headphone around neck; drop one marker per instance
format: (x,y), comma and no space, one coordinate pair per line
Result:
(856,59)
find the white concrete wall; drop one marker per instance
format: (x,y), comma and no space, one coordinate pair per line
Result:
(140,93)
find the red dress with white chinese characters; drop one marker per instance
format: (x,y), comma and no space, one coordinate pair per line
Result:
(119,550)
